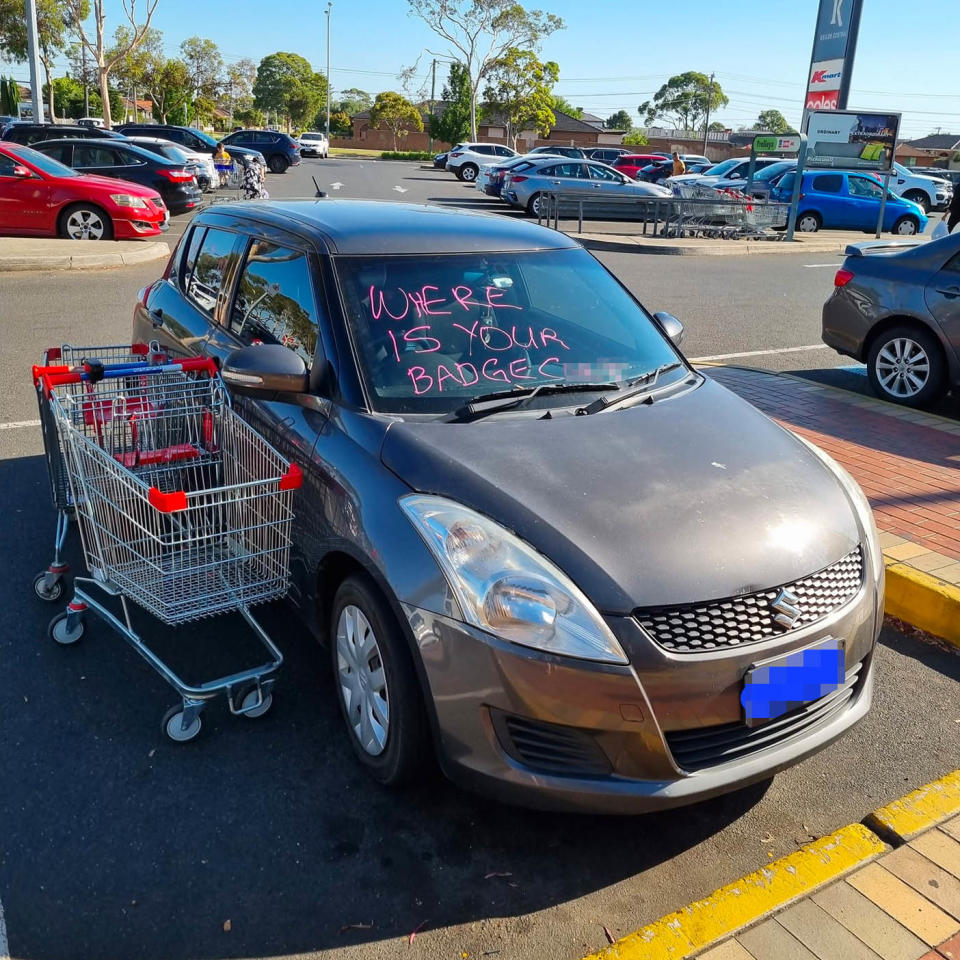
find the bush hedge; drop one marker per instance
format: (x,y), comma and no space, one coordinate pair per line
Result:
(407,155)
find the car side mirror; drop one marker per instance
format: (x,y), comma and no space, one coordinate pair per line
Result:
(264,369)
(671,326)
(22,172)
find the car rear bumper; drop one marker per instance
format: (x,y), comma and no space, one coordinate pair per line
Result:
(558,733)
(182,198)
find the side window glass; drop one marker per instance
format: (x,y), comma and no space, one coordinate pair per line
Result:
(602,173)
(275,302)
(128,159)
(828,183)
(861,187)
(953,264)
(212,266)
(88,155)
(570,171)
(190,251)
(6,165)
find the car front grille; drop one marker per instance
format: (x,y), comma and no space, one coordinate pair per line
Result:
(710,746)
(549,747)
(750,618)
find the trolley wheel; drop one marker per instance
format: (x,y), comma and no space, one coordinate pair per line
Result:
(249,698)
(41,590)
(173,725)
(59,631)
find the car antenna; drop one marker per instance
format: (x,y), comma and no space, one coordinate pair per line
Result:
(320,193)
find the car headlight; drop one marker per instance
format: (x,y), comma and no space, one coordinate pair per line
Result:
(860,504)
(126,200)
(507,588)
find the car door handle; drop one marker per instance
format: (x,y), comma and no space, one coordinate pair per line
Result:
(555,183)
(949,291)
(597,186)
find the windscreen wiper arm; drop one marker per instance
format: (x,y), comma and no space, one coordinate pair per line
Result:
(487,403)
(642,384)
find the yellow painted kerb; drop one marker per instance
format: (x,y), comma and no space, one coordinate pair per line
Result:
(920,810)
(734,906)
(924,600)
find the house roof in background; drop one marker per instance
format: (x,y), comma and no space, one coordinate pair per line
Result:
(937,141)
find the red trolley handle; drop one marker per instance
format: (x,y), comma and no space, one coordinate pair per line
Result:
(176,500)
(194,364)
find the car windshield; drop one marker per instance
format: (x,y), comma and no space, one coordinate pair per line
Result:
(431,332)
(205,137)
(773,170)
(721,168)
(44,163)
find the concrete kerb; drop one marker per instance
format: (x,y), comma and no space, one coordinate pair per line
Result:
(770,889)
(622,243)
(54,255)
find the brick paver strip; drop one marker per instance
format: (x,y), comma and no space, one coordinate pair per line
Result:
(926,878)
(731,950)
(941,848)
(822,935)
(951,949)
(770,941)
(903,903)
(865,920)
(908,468)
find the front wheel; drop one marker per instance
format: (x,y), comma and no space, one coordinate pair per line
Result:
(906,227)
(376,683)
(83,221)
(905,365)
(278,164)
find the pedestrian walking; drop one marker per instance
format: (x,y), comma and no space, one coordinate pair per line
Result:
(679,167)
(252,183)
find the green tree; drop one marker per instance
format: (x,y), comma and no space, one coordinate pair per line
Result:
(774,121)
(54,28)
(452,124)
(288,85)
(105,59)
(238,85)
(396,113)
(685,100)
(480,32)
(717,127)
(340,123)
(621,120)
(9,97)
(351,101)
(249,117)
(205,64)
(131,69)
(518,89)
(167,83)
(635,138)
(565,106)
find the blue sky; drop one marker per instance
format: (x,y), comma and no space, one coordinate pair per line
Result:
(615,53)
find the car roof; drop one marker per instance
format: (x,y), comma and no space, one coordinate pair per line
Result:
(385,227)
(124,144)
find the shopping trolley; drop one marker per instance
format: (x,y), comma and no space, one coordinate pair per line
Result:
(183,509)
(48,585)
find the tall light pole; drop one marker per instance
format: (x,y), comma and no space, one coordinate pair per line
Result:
(33,54)
(329,6)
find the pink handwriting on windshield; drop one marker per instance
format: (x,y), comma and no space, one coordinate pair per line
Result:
(467,374)
(424,301)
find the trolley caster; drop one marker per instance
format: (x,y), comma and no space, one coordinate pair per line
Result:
(61,630)
(44,590)
(252,705)
(174,728)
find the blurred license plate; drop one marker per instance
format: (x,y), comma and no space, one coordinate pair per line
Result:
(773,687)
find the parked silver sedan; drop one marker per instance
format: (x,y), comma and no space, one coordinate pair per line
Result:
(574,178)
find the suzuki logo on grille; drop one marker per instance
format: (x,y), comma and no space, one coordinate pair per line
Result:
(785,606)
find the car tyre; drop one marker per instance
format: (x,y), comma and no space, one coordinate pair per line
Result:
(919,198)
(906,226)
(809,222)
(84,221)
(468,172)
(534,205)
(278,164)
(905,365)
(374,644)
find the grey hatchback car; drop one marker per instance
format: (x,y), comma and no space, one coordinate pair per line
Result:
(898,311)
(538,543)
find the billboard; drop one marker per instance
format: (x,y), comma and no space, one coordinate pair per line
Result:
(834,46)
(852,140)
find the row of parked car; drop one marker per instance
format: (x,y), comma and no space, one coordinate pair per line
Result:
(85,182)
(846,200)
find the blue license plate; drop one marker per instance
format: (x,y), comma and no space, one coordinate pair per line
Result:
(773,687)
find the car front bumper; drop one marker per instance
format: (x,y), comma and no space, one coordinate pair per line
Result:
(563,734)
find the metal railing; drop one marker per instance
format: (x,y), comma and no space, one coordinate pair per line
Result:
(671,216)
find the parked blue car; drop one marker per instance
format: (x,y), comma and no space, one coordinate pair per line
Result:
(848,201)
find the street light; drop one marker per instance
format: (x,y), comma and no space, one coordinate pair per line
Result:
(329,6)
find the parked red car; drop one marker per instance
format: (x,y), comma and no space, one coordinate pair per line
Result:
(41,197)
(632,163)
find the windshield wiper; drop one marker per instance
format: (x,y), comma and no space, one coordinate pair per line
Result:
(487,403)
(642,384)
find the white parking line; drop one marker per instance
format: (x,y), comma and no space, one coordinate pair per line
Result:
(4,942)
(18,425)
(759,353)
(810,265)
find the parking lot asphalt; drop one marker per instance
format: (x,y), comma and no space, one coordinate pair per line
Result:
(264,838)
